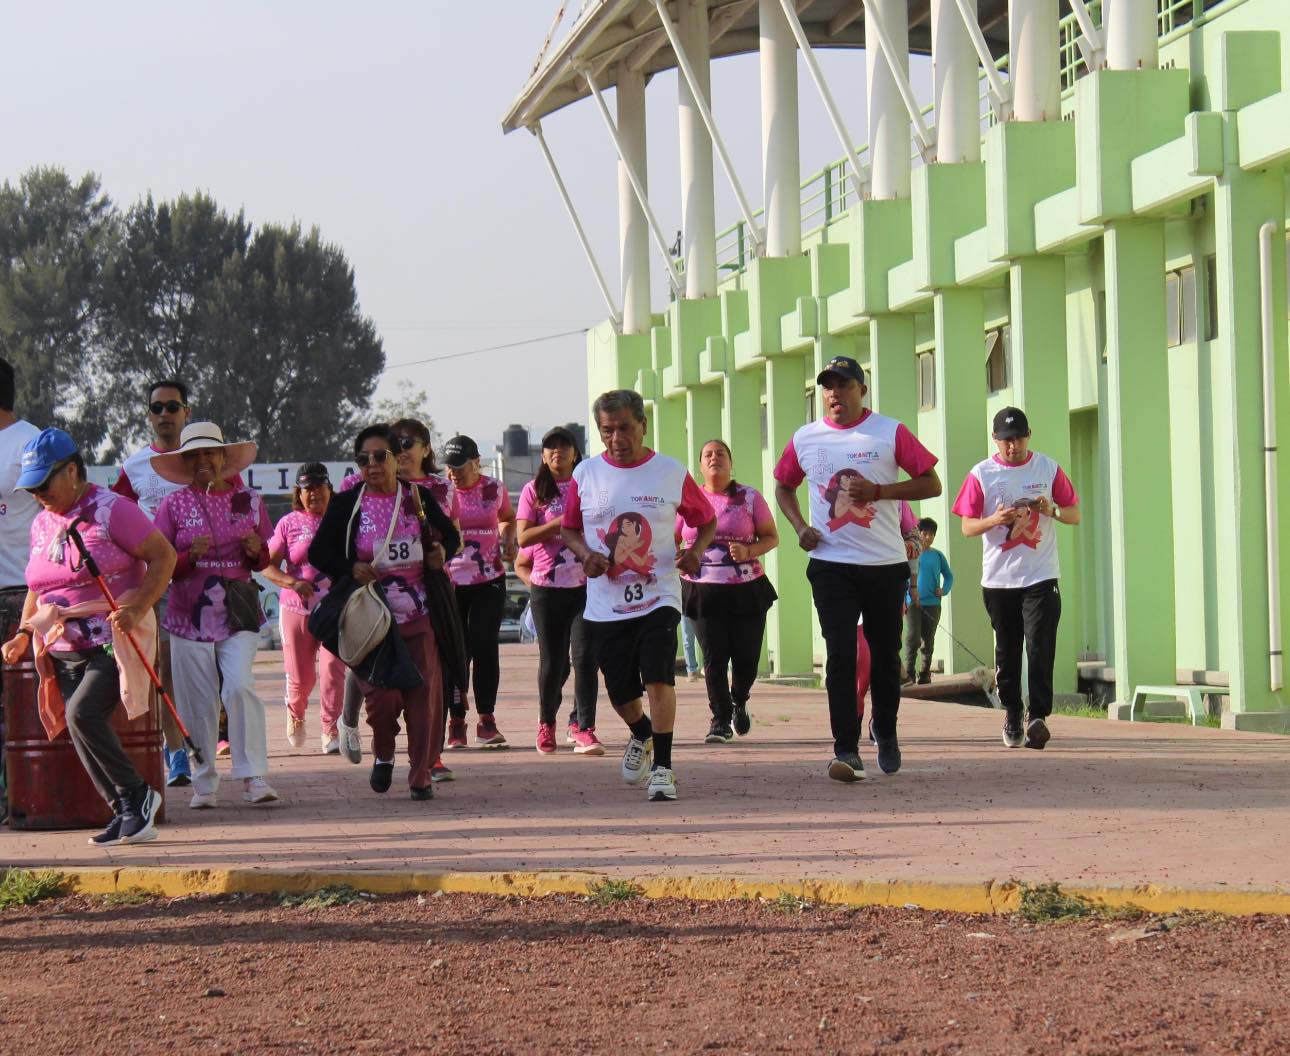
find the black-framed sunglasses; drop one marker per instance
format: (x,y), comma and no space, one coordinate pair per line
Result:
(43,486)
(166,406)
(364,457)
(406,443)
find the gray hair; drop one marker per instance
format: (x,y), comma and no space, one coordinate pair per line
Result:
(619,400)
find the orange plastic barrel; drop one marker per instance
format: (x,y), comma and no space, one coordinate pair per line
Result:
(48,786)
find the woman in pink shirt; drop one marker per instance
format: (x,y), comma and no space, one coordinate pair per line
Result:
(220,529)
(303,587)
(557,596)
(729,596)
(479,575)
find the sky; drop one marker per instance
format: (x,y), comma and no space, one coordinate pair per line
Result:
(381,124)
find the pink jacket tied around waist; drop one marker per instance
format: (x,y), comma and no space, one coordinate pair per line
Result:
(47,622)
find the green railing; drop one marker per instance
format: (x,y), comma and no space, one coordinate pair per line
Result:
(827,194)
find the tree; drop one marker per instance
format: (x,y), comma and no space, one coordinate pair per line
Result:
(407,402)
(57,242)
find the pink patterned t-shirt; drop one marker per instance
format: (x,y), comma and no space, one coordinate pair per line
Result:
(737,518)
(400,563)
(291,538)
(554,564)
(482,505)
(197,609)
(112,527)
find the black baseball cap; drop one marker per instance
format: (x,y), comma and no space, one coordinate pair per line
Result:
(460,450)
(311,474)
(558,435)
(1010,423)
(843,366)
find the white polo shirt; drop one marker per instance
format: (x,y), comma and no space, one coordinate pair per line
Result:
(17,508)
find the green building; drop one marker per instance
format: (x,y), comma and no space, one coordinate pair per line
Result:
(1092,227)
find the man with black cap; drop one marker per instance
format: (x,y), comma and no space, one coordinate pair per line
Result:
(852,459)
(1024,491)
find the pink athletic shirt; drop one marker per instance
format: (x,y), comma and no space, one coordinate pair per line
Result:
(197,609)
(113,527)
(482,506)
(400,564)
(291,538)
(553,563)
(737,518)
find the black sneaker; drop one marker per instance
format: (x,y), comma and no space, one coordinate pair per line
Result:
(742,721)
(423,793)
(1037,734)
(110,836)
(139,816)
(1013,735)
(924,678)
(719,732)
(888,754)
(847,768)
(382,775)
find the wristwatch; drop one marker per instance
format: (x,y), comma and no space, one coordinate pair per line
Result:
(1057,512)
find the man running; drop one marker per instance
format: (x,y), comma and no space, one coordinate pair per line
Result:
(1024,491)
(619,520)
(851,460)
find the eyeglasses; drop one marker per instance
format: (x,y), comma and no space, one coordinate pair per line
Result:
(45,484)
(166,406)
(364,457)
(407,443)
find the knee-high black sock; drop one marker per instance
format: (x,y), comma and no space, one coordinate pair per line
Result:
(663,750)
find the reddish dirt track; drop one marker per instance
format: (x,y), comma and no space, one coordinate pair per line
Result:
(466,974)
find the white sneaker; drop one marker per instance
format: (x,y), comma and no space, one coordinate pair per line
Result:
(351,745)
(637,757)
(662,784)
(258,790)
(203,801)
(330,744)
(295,731)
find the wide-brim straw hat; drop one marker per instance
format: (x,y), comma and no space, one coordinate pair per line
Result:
(196,437)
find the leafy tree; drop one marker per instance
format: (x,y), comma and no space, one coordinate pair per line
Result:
(408,401)
(57,241)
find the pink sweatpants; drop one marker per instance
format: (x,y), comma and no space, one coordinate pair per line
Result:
(304,658)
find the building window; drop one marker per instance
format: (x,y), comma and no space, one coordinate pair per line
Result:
(927,380)
(1211,297)
(765,428)
(998,352)
(1180,306)
(810,405)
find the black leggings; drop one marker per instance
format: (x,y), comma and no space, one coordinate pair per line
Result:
(564,645)
(91,688)
(731,643)
(481,606)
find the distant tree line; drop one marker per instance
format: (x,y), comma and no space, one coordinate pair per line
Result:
(264,324)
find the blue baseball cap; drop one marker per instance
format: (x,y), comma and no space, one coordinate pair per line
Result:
(49,449)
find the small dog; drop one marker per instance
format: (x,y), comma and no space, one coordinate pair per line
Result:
(984,678)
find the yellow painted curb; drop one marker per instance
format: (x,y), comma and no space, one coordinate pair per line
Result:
(959,897)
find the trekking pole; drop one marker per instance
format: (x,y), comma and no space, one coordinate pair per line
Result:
(93,567)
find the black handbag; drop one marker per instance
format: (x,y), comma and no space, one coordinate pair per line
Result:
(242,605)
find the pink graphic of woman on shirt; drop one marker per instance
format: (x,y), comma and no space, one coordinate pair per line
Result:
(628,541)
(208,610)
(1025,530)
(843,509)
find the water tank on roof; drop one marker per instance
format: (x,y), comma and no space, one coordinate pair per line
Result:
(515,441)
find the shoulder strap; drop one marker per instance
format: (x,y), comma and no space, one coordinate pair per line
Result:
(349,526)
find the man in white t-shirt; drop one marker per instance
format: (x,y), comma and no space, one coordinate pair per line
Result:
(168,413)
(620,521)
(1025,493)
(851,461)
(17,510)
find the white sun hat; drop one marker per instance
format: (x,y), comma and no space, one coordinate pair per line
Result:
(196,437)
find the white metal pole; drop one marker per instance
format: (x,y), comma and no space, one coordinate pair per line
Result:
(1089,32)
(698,94)
(780,147)
(889,161)
(1033,63)
(1267,233)
(954,85)
(1000,92)
(1131,38)
(633,227)
(826,96)
(698,197)
(893,41)
(638,187)
(615,315)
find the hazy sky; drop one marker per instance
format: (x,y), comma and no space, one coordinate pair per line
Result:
(381,123)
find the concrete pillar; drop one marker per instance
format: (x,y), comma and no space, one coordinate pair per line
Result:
(1033,65)
(703,421)
(781,164)
(1132,42)
(633,228)
(698,203)
(955,91)
(890,148)
(1139,456)
(893,375)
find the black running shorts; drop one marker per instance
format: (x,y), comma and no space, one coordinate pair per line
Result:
(636,653)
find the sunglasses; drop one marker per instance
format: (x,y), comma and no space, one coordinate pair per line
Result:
(363,458)
(166,406)
(407,443)
(44,485)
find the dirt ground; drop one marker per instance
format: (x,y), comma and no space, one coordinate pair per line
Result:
(463,974)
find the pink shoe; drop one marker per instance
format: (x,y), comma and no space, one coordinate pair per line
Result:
(571,733)
(585,742)
(487,735)
(546,737)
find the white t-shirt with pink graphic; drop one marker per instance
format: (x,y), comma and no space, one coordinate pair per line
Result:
(824,454)
(400,563)
(738,515)
(112,528)
(482,506)
(290,543)
(197,609)
(554,564)
(1025,553)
